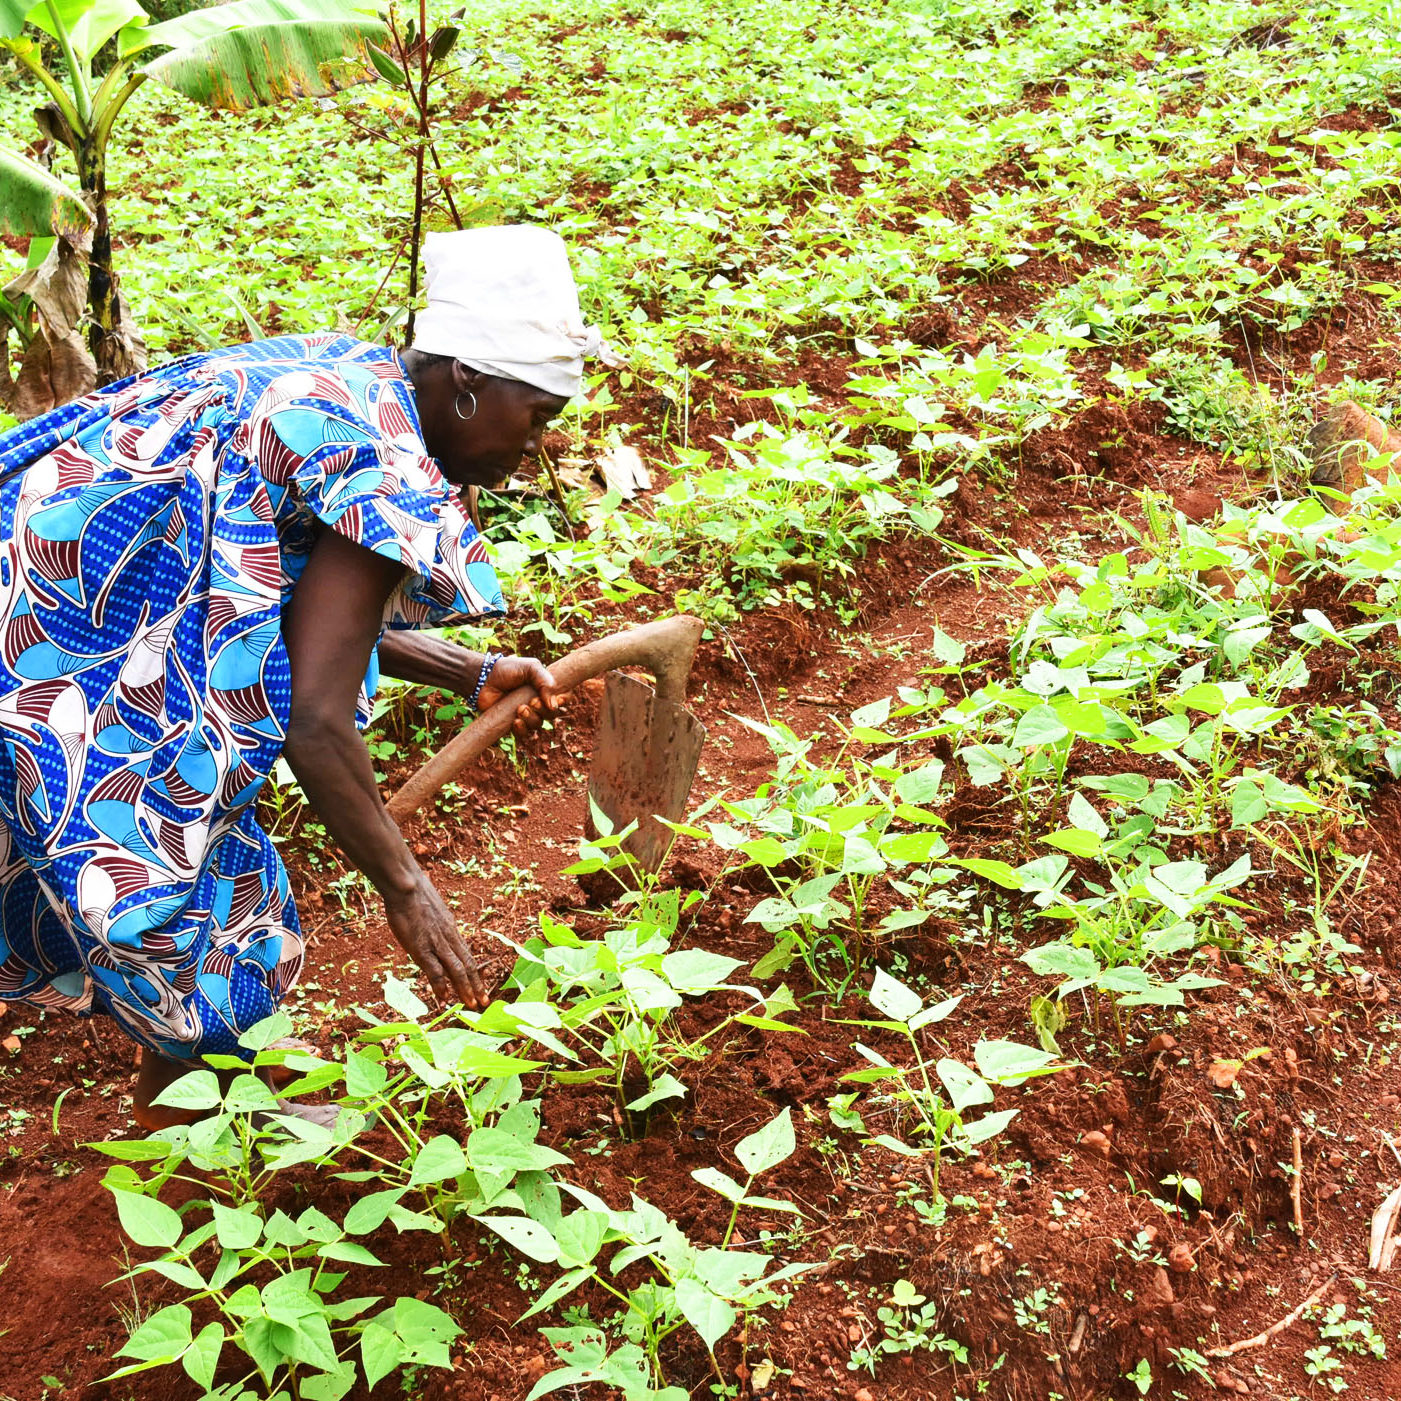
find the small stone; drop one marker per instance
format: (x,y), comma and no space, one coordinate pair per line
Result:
(1163,1041)
(853,1333)
(864,1394)
(1180,1258)
(11,1044)
(1096,1142)
(1159,1293)
(1222,1073)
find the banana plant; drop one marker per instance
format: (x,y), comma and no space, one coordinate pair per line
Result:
(229,57)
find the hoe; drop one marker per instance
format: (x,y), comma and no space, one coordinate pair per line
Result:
(648,743)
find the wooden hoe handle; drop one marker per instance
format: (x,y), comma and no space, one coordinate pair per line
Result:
(665,648)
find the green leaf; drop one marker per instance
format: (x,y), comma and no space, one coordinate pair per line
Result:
(525,1235)
(328,1386)
(891,996)
(148,1221)
(920,785)
(580,1236)
(885,1140)
(860,858)
(695,970)
(719,1182)
(565,1284)
(163,1336)
(1062,960)
(1128,787)
(202,1359)
(946,649)
(998,872)
(1075,840)
(935,1012)
(365,1076)
(873,715)
(90,23)
(197,1091)
(771,1204)
(916,847)
(773,913)
(370,1212)
(186,1276)
(403,999)
(349,1252)
(1048,1017)
(380,1352)
(140,1150)
(711,1316)
(964,1086)
(1248,804)
(989,1126)
(764,851)
(495,1150)
(768,1146)
(1207,697)
(12,16)
(248,1094)
(665,1086)
(441,1157)
(777,959)
(264,1033)
(1011,1063)
(1040,725)
(237,1228)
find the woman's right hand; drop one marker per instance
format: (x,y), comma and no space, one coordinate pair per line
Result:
(427,931)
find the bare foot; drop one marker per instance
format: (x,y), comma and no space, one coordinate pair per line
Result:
(158,1073)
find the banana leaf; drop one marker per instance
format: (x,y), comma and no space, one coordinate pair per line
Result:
(263,63)
(12,13)
(242,14)
(33,202)
(90,23)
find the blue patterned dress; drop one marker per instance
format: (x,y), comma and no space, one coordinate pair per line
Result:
(150,537)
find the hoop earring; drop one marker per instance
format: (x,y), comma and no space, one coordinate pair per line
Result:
(457,407)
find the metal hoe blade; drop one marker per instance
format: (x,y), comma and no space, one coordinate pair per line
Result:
(644,764)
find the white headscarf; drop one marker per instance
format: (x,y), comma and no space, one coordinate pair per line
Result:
(503,301)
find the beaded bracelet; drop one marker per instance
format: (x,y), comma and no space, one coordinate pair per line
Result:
(488,666)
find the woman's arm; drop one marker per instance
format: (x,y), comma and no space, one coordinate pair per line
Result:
(430,661)
(330,629)
(426,660)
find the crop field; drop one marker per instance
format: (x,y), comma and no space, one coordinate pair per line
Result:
(1013,1017)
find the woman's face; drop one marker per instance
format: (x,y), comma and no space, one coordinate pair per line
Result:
(482,446)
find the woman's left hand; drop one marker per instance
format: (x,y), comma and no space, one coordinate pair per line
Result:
(507,675)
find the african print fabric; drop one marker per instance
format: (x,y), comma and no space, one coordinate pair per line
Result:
(150,536)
